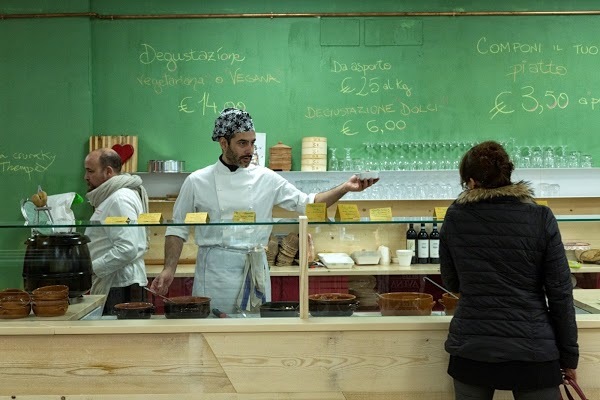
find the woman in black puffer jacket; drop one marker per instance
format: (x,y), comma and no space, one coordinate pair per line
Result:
(514,328)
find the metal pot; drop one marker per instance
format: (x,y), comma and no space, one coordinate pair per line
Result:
(168,166)
(58,259)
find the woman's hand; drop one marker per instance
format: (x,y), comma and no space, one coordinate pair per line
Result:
(569,374)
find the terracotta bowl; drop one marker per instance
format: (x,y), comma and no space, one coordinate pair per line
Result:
(405,303)
(449,303)
(330,298)
(133,310)
(15,295)
(52,292)
(14,303)
(50,308)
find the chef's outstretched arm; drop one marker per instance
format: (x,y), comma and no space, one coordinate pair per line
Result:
(352,185)
(173,248)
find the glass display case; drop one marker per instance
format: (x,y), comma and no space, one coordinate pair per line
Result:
(349,268)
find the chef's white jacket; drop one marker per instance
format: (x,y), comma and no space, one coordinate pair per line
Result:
(117,252)
(220,192)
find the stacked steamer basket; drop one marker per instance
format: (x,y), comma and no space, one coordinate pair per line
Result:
(272,249)
(364,288)
(288,248)
(280,157)
(314,154)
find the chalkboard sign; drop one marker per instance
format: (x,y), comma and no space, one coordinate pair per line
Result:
(391,80)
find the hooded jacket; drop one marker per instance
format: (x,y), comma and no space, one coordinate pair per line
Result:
(504,254)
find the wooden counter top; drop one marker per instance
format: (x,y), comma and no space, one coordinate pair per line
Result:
(187,270)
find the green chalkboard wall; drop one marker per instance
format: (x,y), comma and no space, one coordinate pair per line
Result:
(355,80)
(352,80)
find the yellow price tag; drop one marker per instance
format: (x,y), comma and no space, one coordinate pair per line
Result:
(316,212)
(542,202)
(380,214)
(347,212)
(116,220)
(149,218)
(244,216)
(197,218)
(439,212)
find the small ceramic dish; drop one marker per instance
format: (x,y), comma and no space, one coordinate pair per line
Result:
(368,175)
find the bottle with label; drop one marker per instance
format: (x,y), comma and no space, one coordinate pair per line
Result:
(411,242)
(434,245)
(422,246)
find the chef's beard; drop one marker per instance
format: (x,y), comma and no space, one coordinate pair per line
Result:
(233,159)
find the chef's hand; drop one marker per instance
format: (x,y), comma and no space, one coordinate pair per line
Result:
(358,185)
(161,283)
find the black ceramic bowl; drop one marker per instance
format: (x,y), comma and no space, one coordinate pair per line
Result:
(187,307)
(134,310)
(331,309)
(280,309)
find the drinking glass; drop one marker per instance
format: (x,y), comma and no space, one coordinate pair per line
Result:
(586,161)
(574,159)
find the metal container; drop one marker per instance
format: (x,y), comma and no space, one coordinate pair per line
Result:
(58,259)
(166,166)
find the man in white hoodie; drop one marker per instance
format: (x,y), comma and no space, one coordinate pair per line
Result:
(117,252)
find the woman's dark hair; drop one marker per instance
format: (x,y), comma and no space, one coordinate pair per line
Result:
(488,164)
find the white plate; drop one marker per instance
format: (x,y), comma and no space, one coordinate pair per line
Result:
(336,260)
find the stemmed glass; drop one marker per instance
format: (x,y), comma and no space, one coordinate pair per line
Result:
(347,161)
(334,164)
(370,161)
(386,163)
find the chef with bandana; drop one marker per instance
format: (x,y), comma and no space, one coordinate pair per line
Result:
(231,265)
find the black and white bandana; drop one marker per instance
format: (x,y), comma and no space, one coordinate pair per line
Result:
(230,121)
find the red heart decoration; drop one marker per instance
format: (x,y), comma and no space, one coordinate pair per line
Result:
(125,151)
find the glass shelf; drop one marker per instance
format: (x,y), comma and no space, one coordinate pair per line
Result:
(275,221)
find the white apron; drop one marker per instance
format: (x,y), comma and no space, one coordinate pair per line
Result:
(221,273)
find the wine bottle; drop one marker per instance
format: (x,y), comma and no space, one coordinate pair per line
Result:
(434,245)
(422,246)
(411,242)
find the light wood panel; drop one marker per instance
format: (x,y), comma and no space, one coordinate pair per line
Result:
(249,364)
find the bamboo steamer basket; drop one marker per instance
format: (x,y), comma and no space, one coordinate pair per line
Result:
(314,154)
(317,165)
(280,157)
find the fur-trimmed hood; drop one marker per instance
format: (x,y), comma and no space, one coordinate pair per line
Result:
(521,190)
